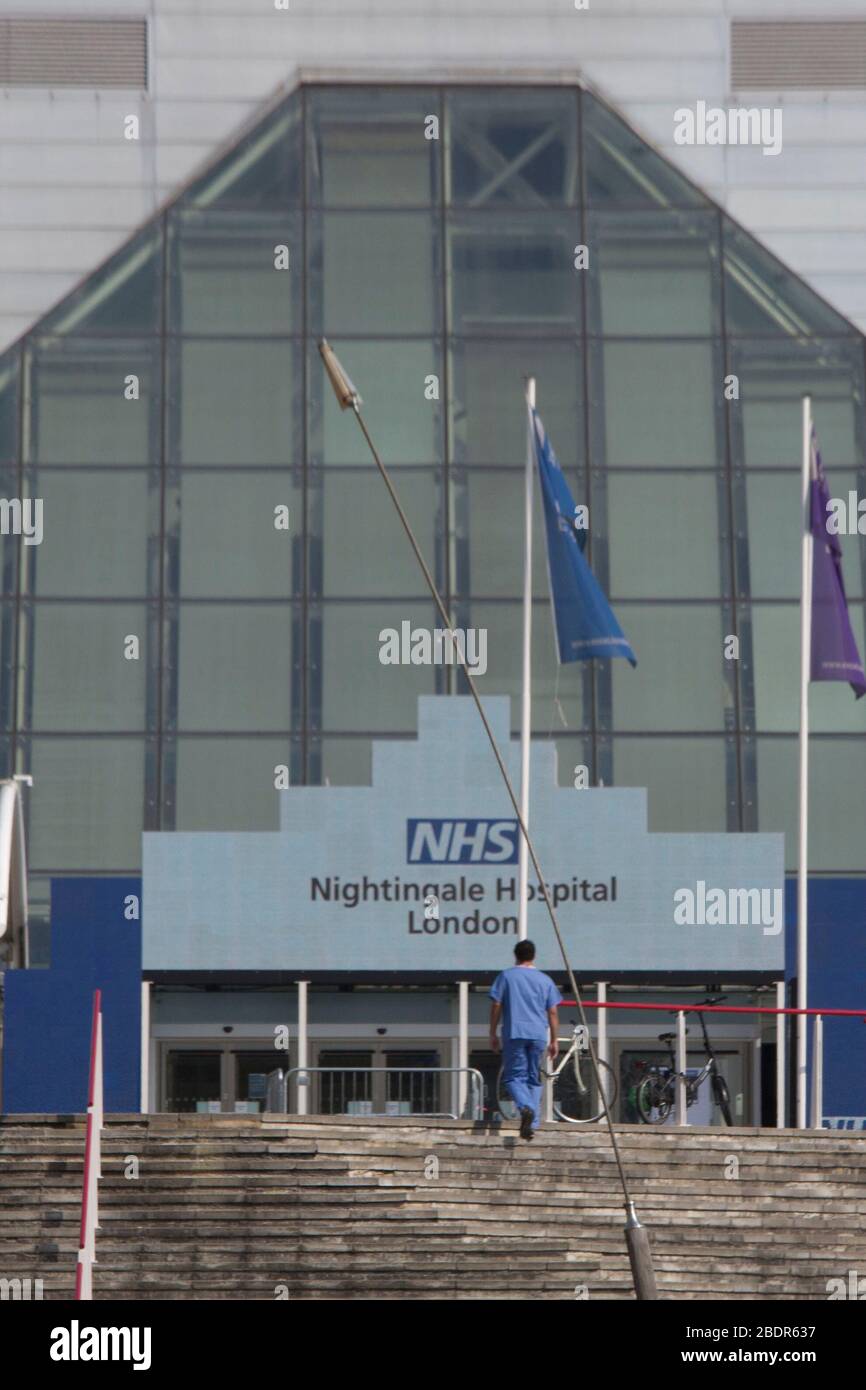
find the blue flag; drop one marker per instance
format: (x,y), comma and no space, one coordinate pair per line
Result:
(583,618)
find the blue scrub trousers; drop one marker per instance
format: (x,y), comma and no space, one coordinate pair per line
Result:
(521,1058)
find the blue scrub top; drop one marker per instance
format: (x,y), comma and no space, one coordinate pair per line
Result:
(526,995)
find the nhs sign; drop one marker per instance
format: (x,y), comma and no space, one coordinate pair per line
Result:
(461,841)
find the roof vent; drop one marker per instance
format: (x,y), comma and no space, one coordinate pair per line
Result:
(59,52)
(794,54)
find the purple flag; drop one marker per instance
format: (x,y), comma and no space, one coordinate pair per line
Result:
(834,650)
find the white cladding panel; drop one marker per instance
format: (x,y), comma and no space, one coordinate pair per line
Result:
(213,63)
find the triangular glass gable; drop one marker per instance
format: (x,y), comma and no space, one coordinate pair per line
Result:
(516,147)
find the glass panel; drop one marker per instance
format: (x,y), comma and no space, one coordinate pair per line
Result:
(86,805)
(224,275)
(773,528)
(837,799)
(263,169)
(346,762)
(763,297)
(234,666)
(374,272)
(10,683)
(767,424)
(514,145)
(192,1080)
(655,403)
(513,272)
(663,693)
(235,403)
(621,170)
(776,655)
(80,413)
(229,542)
(96,532)
(557,691)
(359,691)
(369,145)
(494,506)
(9,375)
(685,779)
(228,783)
(251,1076)
(394,379)
(20,523)
(654,274)
(652,553)
(488,423)
(571,754)
(364,547)
(39,921)
(81,678)
(122,297)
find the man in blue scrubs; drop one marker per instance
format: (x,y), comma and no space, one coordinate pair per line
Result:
(526,1001)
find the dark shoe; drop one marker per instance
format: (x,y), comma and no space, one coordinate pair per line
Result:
(526,1118)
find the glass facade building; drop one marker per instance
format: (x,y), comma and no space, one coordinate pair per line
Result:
(219,556)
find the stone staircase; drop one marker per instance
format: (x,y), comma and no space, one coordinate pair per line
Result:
(261,1207)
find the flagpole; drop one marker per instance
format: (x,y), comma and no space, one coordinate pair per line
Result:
(526,701)
(803,836)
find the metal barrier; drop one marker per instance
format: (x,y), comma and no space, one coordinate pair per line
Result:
(277,1092)
(408,1091)
(92,1160)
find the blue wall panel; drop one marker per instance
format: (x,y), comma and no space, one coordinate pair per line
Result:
(837,980)
(48,1012)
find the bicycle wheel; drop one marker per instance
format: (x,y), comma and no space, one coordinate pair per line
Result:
(583,1107)
(722,1097)
(504,1104)
(654,1100)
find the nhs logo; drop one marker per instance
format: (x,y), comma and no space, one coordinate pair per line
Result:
(461,841)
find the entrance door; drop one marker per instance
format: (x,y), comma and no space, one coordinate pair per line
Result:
(193,1080)
(635,1061)
(250,1078)
(225,1079)
(408,1084)
(344,1087)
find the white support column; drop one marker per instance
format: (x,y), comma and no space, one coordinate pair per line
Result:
(98,1101)
(818,1072)
(682,1057)
(601,1045)
(144,1084)
(303,1087)
(526,700)
(757,1050)
(781,1043)
(807,551)
(462,1046)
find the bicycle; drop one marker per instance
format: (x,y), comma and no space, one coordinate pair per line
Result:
(657,1093)
(576,1097)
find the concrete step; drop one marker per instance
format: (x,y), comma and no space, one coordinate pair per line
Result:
(236,1207)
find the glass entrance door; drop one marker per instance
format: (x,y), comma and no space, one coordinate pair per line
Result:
(348,1088)
(250,1076)
(193,1080)
(409,1083)
(635,1063)
(224,1079)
